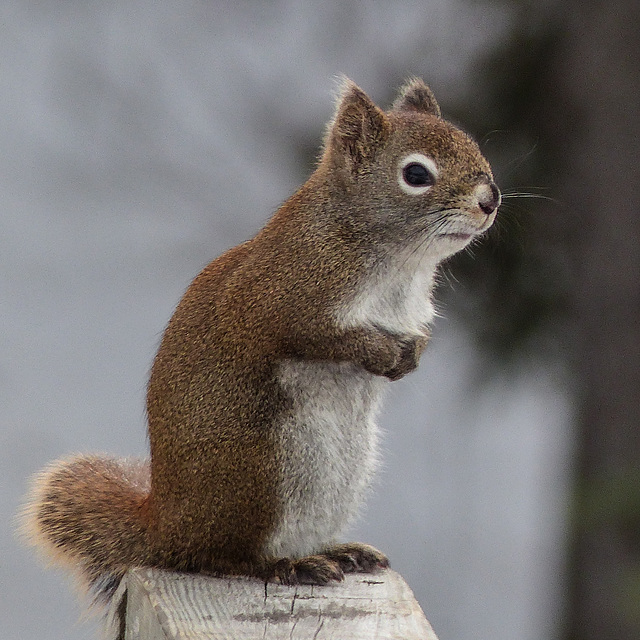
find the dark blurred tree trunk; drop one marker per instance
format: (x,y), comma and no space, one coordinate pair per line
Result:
(565,87)
(593,112)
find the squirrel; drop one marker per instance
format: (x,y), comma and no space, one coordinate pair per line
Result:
(263,395)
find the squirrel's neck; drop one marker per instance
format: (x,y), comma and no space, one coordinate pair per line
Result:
(328,218)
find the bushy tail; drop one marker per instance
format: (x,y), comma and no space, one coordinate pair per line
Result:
(89,514)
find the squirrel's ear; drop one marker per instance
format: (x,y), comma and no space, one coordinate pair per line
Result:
(358,128)
(415,95)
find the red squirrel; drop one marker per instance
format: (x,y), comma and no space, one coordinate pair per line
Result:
(263,396)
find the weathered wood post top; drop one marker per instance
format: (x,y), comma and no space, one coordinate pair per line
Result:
(162,605)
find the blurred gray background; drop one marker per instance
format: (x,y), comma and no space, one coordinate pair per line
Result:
(139,141)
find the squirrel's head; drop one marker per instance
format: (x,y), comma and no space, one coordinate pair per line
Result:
(406,174)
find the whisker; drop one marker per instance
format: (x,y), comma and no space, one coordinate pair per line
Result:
(533,196)
(526,189)
(487,136)
(512,166)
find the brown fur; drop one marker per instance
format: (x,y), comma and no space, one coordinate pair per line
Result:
(214,401)
(80,506)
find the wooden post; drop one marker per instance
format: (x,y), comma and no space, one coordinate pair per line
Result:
(162,605)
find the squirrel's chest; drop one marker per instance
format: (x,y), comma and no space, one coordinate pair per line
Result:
(328,446)
(398,299)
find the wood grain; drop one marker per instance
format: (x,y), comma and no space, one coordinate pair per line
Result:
(173,606)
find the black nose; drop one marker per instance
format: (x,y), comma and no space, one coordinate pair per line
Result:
(490,201)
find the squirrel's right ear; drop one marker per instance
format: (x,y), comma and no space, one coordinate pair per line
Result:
(415,95)
(358,128)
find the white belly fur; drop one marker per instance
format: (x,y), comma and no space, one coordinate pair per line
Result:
(329,444)
(329,455)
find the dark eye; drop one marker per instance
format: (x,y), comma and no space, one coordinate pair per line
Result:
(417,175)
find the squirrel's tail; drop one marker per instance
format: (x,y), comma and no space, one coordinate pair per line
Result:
(90,514)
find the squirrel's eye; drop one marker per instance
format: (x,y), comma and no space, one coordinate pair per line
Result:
(417,173)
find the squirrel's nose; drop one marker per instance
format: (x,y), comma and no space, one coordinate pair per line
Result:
(489,198)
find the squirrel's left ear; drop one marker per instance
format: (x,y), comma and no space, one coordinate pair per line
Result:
(415,95)
(358,128)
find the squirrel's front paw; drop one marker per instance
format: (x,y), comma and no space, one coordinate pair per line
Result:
(408,358)
(395,356)
(388,354)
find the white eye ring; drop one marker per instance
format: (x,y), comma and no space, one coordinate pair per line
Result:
(423,161)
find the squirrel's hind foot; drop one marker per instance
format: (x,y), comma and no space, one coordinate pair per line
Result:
(317,570)
(357,557)
(329,565)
